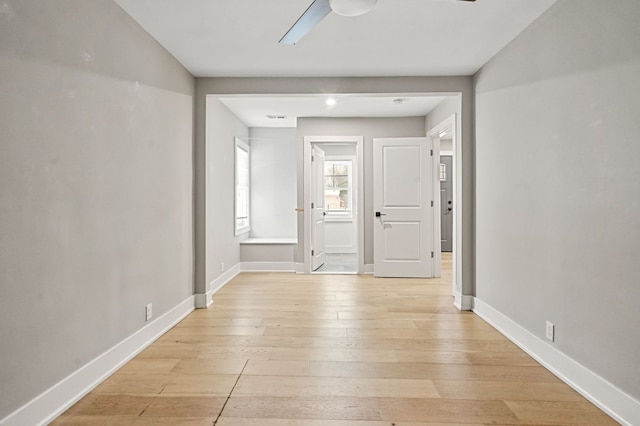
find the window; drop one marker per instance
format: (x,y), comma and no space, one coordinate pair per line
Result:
(243,154)
(338,187)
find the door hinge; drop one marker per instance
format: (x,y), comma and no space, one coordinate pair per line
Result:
(432,255)
(431,203)
(313,158)
(432,153)
(313,205)
(313,252)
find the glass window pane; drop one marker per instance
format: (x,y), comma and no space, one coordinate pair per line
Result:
(341,169)
(328,182)
(341,182)
(344,199)
(328,168)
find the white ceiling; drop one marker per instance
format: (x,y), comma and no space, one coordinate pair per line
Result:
(253,110)
(239,38)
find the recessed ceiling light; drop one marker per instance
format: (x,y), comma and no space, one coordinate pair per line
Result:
(330,102)
(398,101)
(276,117)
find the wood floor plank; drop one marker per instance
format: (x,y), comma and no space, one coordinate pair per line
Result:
(134,383)
(204,384)
(282,386)
(185,406)
(560,413)
(149,366)
(231,421)
(318,354)
(446,411)
(232,366)
(502,390)
(321,408)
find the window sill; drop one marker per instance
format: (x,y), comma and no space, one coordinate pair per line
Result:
(269,240)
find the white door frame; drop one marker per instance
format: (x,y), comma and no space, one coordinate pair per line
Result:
(450,123)
(358,141)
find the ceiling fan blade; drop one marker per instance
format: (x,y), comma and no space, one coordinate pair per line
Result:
(305,23)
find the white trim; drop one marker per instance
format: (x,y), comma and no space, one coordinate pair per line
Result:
(436,228)
(368,268)
(203,301)
(44,408)
(241,145)
(453,124)
(290,241)
(358,208)
(268,266)
(224,278)
(613,401)
(299,268)
(463,302)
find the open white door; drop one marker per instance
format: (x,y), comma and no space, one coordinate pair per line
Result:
(317,208)
(402,194)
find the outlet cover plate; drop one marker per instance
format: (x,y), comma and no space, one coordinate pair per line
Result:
(550,331)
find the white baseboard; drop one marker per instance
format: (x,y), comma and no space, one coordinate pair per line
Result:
(299,268)
(368,269)
(613,401)
(203,301)
(463,302)
(54,401)
(268,266)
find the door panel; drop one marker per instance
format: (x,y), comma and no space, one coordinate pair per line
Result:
(402,241)
(402,202)
(446,203)
(317,208)
(400,189)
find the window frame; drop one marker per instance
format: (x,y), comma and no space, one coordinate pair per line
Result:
(245,225)
(348,213)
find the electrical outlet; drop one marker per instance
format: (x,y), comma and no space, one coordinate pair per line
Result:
(221,266)
(550,331)
(149,312)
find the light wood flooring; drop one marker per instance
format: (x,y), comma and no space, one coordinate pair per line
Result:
(333,350)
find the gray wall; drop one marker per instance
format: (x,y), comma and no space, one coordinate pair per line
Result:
(273,182)
(221,243)
(450,105)
(95,187)
(558,211)
(440,85)
(369,128)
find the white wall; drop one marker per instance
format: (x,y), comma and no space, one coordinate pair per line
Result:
(96,193)
(558,211)
(273,182)
(222,246)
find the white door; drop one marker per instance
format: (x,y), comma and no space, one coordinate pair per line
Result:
(317,208)
(402,194)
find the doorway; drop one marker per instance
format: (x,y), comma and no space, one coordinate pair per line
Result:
(447,146)
(333,200)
